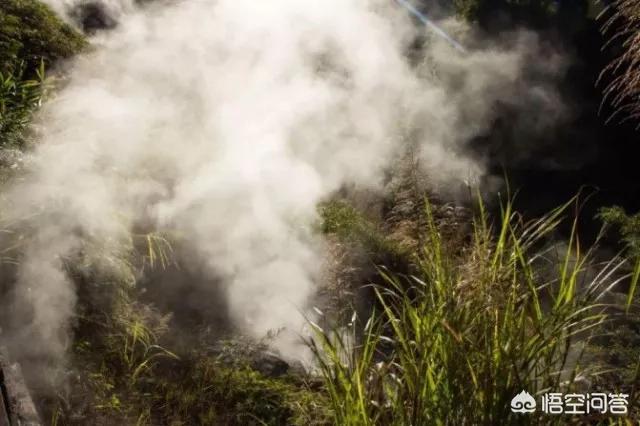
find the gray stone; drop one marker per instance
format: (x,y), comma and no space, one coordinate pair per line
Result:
(269,364)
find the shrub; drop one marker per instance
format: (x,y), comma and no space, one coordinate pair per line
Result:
(30,33)
(627,225)
(345,222)
(31,39)
(204,390)
(456,341)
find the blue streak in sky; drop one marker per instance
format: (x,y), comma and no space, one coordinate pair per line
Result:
(433,27)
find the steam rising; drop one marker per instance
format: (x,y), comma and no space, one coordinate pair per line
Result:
(224,123)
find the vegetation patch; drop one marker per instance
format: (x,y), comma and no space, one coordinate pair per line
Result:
(455,341)
(30,33)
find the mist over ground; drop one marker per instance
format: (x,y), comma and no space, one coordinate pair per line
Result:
(222,125)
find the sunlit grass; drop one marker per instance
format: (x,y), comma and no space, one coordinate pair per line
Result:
(19,98)
(454,342)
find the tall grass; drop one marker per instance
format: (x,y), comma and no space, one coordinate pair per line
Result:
(623,26)
(117,337)
(19,98)
(454,342)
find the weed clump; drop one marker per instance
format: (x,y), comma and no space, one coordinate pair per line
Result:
(205,391)
(456,340)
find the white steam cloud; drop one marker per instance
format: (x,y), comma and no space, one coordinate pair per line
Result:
(225,123)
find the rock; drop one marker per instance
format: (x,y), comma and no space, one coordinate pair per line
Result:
(257,356)
(269,364)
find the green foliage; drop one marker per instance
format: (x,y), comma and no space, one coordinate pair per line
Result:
(338,217)
(627,225)
(18,99)
(629,229)
(205,391)
(341,219)
(131,342)
(117,338)
(31,38)
(126,375)
(454,342)
(30,33)
(115,354)
(119,353)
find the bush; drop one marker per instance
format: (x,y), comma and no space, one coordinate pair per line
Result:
(206,391)
(31,39)
(627,225)
(30,33)
(342,220)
